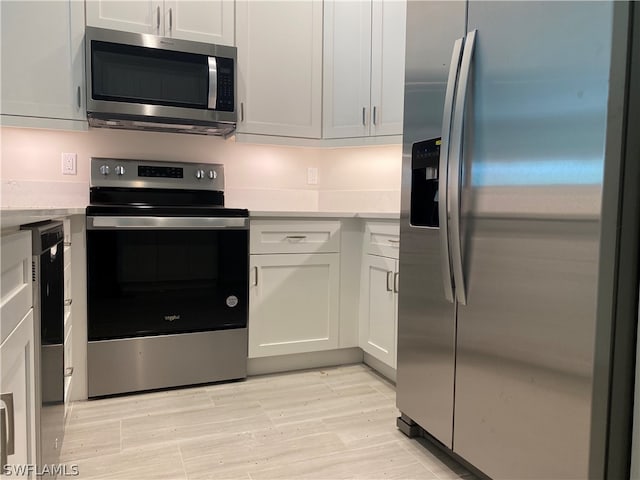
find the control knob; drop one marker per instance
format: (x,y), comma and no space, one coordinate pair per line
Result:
(199,174)
(213,174)
(104,169)
(119,170)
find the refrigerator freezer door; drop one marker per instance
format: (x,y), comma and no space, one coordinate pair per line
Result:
(533,163)
(426,320)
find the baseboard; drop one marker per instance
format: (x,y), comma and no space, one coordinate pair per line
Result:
(380,367)
(303,361)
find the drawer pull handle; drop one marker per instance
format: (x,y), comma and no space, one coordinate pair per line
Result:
(256,272)
(296,237)
(389,277)
(67,302)
(395,281)
(67,244)
(68,371)
(393,240)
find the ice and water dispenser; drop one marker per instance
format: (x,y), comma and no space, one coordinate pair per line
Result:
(425,157)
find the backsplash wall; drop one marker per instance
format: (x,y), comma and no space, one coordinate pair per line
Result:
(258,177)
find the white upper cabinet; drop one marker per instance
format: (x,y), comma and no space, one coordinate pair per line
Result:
(42,50)
(210,21)
(280,67)
(347,68)
(140,16)
(387,66)
(363,68)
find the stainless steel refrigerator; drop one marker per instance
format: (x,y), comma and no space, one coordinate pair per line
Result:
(515,127)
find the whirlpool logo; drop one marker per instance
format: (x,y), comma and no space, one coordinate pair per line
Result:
(172,318)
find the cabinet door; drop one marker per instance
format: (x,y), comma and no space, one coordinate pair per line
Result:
(378,314)
(140,16)
(387,66)
(43,59)
(280,67)
(347,69)
(293,303)
(210,21)
(17,383)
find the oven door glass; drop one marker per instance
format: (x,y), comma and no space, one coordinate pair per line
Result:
(156,282)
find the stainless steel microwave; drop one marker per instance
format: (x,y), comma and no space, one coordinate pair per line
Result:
(146,82)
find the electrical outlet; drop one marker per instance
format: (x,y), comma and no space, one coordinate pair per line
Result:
(69,163)
(312,176)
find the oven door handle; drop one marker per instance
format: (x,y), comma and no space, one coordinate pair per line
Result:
(166,223)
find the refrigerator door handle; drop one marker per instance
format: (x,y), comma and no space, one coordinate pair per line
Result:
(443,212)
(455,178)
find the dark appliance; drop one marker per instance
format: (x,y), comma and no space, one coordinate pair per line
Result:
(167,277)
(146,82)
(48,299)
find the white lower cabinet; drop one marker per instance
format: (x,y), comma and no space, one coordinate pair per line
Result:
(379,308)
(294,303)
(17,353)
(379,285)
(18,409)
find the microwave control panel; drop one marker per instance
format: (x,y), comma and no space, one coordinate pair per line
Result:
(225,94)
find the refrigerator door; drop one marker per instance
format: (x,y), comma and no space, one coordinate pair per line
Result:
(532,177)
(426,319)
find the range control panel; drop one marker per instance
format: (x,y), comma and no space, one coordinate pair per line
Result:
(116,172)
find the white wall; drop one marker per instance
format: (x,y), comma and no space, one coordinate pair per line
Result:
(258,177)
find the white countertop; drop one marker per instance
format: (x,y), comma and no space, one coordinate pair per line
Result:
(12,217)
(307,214)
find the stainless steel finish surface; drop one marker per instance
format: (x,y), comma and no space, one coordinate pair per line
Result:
(534,133)
(426,320)
(133,364)
(130,178)
(213,83)
(110,114)
(8,444)
(166,223)
(456,166)
(443,179)
(3,437)
(52,370)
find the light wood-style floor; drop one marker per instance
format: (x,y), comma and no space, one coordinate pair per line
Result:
(332,423)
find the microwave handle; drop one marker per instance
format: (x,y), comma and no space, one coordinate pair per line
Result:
(213,83)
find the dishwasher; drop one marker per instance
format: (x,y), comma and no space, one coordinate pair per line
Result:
(48,308)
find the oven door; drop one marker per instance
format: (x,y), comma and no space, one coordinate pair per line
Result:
(164,275)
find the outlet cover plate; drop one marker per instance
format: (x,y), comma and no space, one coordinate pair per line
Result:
(69,163)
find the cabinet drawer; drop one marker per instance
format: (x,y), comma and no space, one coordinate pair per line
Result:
(382,238)
(295,237)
